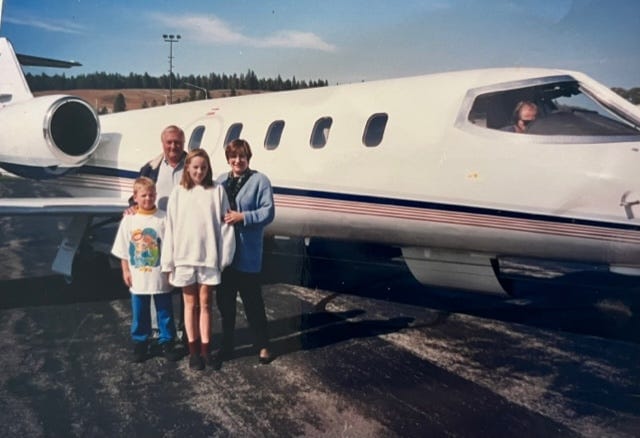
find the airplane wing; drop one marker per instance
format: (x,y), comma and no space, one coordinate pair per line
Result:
(82,212)
(91,206)
(36,61)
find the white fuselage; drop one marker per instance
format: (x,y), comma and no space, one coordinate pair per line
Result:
(436,180)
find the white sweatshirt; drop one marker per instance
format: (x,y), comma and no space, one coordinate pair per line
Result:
(195,232)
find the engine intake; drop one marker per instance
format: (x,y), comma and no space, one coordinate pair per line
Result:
(72,127)
(55,132)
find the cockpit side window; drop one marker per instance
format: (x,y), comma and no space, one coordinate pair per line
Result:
(562,108)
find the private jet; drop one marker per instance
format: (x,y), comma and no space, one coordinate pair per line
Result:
(419,164)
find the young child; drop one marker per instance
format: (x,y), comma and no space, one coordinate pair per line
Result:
(137,245)
(198,245)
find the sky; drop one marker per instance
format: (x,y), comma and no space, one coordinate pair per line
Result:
(338,41)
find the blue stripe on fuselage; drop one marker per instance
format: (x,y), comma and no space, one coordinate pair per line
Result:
(449,208)
(376,200)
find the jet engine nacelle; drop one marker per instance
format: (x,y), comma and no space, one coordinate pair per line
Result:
(47,136)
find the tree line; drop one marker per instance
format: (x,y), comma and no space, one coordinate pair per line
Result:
(632,95)
(212,81)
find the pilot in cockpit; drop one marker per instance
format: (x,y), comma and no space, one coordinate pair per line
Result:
(524,113)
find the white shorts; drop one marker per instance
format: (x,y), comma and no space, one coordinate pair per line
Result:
(183,276)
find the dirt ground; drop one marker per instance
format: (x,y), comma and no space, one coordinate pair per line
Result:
(134,97)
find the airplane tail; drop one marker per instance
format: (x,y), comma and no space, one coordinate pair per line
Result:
(13,85)
(50,135)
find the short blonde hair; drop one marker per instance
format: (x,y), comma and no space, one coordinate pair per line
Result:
(143,182)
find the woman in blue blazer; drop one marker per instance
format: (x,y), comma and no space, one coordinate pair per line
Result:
(252,209)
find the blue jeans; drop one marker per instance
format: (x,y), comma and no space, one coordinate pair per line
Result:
(141,321)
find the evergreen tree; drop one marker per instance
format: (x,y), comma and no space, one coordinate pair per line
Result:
(212,81)
(119,104)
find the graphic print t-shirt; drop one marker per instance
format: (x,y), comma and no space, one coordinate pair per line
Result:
(139,240)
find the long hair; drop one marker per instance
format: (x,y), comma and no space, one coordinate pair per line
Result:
(186,180)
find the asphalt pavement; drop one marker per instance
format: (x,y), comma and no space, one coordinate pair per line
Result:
(361,350)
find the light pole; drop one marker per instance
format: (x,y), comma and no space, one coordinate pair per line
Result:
(171,39)
(204,90)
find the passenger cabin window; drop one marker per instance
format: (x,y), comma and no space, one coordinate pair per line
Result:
(320,133)
(233,133)
(196,138)
(374,129)
(564,107)
(274,133)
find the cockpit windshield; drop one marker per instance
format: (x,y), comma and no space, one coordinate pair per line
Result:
(557,108)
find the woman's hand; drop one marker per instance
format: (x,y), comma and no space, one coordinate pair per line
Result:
(233,217)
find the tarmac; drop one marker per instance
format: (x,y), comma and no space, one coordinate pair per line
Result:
(362,350)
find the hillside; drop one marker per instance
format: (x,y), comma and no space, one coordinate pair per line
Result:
(134,98)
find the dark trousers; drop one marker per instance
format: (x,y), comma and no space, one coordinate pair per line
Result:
(248,285)
(179,317)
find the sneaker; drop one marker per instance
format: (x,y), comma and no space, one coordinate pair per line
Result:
(196,362)
(170,352)
(140,352)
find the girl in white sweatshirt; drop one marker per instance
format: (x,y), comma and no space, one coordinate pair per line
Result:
(197,246)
